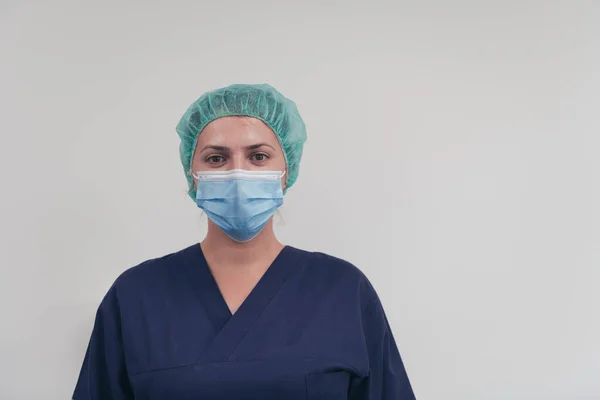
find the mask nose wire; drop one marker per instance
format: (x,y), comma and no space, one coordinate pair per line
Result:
(281,176)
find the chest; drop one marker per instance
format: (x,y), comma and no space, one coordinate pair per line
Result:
(256,380)
(290,338)
(295,347)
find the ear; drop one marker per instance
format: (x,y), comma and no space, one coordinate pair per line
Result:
(284,179)
(194,180)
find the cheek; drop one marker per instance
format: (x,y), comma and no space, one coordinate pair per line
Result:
(279,161)
(196,163)
(195,159)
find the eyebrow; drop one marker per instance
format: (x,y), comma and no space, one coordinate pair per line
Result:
(222,149)
(258,146)
(225,149)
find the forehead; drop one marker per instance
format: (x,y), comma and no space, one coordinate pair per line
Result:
(236,132)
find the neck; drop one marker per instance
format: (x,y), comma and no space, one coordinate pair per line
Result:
(223,252)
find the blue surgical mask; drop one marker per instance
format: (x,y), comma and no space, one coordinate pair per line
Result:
(238,201)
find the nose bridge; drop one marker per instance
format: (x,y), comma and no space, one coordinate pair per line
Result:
(238,159)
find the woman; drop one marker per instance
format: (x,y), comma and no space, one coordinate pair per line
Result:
(240,315)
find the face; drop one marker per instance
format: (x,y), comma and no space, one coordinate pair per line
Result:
(238,143)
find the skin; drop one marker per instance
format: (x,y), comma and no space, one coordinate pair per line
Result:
(238,143)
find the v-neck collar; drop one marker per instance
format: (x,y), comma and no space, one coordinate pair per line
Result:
(207,289)
(230,328)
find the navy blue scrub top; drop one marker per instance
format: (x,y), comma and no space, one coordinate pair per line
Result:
(312,328)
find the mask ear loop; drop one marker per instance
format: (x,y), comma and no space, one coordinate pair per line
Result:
(281,177)
(278,215)
(196,177)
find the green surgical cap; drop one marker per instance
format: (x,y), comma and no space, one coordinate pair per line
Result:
(259,101)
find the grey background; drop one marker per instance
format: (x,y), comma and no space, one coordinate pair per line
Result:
(452,156)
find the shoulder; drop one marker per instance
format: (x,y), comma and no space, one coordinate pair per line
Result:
(340,273)
(350,276)
(330,264)
(155,273)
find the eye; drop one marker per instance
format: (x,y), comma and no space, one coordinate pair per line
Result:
(259,157)
(215,159)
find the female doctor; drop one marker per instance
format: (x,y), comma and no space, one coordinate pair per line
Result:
(240,315)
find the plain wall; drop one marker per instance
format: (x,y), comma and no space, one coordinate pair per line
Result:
(452,156)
